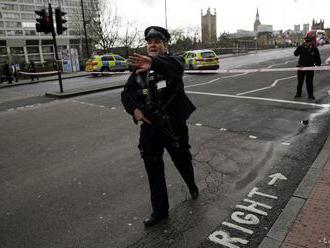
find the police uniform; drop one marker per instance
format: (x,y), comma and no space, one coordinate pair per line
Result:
(161,90)
(309,56)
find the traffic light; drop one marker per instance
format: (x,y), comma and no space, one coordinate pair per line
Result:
(44,22)
(59,21)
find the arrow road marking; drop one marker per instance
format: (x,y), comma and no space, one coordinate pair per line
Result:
(275,177)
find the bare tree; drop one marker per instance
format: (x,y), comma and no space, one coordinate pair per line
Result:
(184,39)
(104,26)
(131,37)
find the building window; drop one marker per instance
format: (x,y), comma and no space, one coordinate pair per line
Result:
(2,24)
(30,32)
(14,32)
(8,15)
(17,50)
(32,49)
(74,33)
(48,49)
(27,8)
(32,42)
(14,24)
(26,16)
(18,59)
(26,1)
(49,56)
(34,58)
(8,6)
(3,51)
(2,32)
(47,42)
(40,1)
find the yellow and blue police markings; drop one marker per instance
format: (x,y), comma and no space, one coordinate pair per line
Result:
(105,63)
(201,60)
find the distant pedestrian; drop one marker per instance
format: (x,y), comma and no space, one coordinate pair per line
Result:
(6,72)
(14,70)
(1,73)
(309,57)
(32,69)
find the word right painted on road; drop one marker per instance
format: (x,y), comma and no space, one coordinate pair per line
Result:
(246,216)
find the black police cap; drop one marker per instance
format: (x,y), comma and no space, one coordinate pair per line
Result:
(157,32)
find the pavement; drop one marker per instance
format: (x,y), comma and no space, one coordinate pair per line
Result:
(44,79)
(304,222)
(68,92)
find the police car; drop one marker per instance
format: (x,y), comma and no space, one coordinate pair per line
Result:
(106,63)
(201,60)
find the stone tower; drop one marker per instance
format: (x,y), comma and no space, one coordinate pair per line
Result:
(317,25)
(209,26)
(256,22)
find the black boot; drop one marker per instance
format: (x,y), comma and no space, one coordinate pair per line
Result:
(154,219)
(194,192)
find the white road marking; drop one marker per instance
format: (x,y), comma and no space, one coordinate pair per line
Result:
(265,88)
(233,76)
(285,63)
(245,230)
(216,79)
(327,61)
(247,213)
(259,98)
(90,104)
(275,177)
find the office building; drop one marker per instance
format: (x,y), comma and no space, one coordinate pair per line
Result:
(19,41)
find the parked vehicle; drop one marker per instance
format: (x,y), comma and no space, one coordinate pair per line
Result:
(106,63)
(201,60)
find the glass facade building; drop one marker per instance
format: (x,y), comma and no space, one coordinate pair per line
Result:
(19,41)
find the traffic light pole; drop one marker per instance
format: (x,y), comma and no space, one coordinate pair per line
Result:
(85,30)
(55,46)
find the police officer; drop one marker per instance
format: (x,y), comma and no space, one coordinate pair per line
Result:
(155,88)
(309,56)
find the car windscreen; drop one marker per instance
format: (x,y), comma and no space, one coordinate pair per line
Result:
(206,55)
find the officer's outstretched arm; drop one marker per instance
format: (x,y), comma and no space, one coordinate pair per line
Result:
(170,67)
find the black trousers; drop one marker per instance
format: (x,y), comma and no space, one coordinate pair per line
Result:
(151,145)
(10,80)
(309,75)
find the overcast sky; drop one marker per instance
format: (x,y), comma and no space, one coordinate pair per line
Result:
(231,14)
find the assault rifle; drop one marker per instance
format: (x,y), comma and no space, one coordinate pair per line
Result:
(157,118)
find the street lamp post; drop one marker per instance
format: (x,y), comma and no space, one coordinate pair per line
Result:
(85,30)
(165,15)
